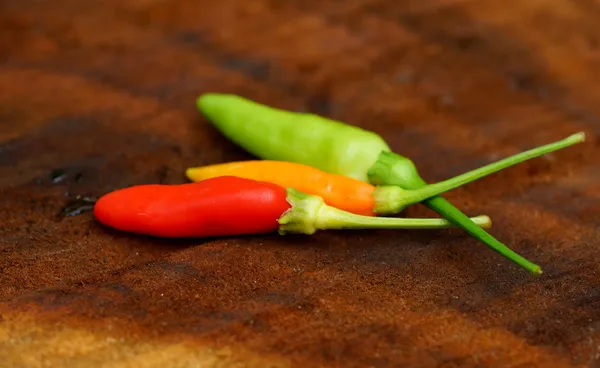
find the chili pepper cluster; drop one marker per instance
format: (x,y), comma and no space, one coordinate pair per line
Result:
(311,173)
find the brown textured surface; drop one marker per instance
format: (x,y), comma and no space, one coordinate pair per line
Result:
(99,95)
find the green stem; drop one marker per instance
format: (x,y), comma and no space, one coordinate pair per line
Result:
(391,199)
(453,214)
(309,213)
(448,211)
(393,169)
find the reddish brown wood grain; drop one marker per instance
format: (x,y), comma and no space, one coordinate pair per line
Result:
(99,95)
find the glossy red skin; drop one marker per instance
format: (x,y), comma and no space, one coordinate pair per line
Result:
(214,207)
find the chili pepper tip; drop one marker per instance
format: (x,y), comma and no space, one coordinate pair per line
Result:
(577,137)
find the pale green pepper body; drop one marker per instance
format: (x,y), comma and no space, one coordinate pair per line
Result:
(274,134)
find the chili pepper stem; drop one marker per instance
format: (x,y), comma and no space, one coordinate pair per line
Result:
(392,199)
(454,215)
(393,169)
(390,164)
(309,213)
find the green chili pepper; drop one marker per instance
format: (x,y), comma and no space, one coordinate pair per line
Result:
(339,148)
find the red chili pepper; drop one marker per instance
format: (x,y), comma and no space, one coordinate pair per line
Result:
(225,206)
(229,205)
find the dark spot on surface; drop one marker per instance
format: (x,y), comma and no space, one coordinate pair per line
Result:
(57,175)
(78,205)
(162,173)
(120,288)
(319,103)
(191,38)
(258,70)
(468,42)
(522,80)
(61,175)
(177,150)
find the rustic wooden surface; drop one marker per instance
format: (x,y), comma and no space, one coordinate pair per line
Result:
(96,95)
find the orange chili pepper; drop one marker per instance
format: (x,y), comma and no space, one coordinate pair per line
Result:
(339,191)
(343,192)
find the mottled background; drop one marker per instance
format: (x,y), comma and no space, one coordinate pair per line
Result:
(97,95)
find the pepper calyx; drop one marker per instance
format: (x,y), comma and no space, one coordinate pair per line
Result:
(389,200)
(301,217)
(310,213)
(391,166)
